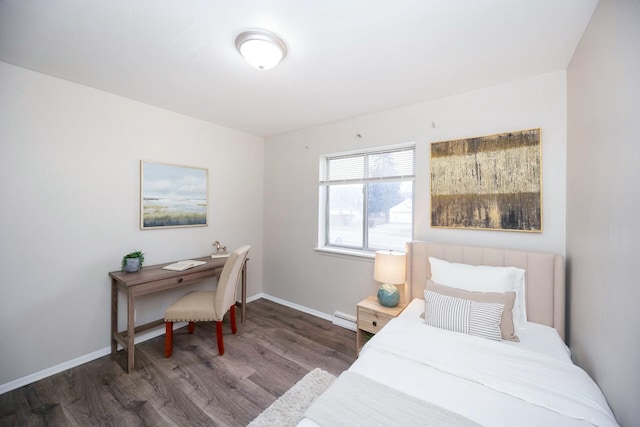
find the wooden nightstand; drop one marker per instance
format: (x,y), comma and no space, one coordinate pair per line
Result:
(372,317)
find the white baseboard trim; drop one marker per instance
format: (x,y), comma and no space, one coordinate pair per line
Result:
(339,319)
(254,297)
(298,307)
(17,383)
(37,376)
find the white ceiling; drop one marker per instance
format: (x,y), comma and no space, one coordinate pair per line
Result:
(345,57)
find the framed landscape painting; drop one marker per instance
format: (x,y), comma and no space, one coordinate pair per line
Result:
(490,182)
(172,196)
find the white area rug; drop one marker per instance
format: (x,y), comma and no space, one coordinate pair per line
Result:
(289,408)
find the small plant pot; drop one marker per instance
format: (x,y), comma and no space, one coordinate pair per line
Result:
(132,265)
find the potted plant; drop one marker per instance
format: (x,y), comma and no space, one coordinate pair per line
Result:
(132,262)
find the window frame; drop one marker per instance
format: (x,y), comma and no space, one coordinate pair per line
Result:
(325,183)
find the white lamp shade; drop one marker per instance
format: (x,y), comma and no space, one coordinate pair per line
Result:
(390,267)
(261,49)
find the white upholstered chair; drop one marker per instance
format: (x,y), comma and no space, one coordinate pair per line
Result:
(208,306)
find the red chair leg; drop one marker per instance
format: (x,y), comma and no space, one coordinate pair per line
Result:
(219,338)
(234,326)
(168,339)
(192,327)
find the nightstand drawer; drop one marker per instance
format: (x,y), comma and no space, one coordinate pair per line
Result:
(372,317)
(370,320)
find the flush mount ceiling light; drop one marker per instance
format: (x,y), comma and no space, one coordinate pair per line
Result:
(261,48)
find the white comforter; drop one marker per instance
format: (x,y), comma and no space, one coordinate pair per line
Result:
(485,381)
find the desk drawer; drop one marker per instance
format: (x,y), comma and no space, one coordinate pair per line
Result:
(173,282)
(371,321)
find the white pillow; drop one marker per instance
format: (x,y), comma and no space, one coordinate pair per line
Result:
(484,278)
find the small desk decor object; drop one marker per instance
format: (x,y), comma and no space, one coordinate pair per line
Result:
(172,196)
(132,261)
(219,250)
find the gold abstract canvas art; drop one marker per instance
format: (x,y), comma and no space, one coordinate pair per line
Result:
(489,182)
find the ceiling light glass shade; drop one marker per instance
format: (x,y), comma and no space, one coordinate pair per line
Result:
(262,49)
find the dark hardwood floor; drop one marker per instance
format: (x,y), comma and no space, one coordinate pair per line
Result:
(274,349)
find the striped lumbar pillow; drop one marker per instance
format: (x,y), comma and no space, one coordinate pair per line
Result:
(459,315)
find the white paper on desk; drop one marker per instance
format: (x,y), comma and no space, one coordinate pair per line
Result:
(183,265)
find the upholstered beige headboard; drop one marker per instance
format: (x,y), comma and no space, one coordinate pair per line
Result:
(544,279)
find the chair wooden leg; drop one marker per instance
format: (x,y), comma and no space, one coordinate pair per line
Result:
(192,327)
(168,339)
(232,314)
(219,338)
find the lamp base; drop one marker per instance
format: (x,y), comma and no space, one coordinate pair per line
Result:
(388,295)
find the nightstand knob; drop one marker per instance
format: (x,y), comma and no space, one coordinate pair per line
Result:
(375,323)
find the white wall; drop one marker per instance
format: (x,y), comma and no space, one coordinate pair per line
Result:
(603,189)
(69,167)
(294,271)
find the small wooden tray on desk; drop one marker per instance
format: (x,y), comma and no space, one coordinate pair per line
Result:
(371,317)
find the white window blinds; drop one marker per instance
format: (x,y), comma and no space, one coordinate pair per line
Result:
(393,163)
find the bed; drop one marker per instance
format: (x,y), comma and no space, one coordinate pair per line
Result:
(411,373)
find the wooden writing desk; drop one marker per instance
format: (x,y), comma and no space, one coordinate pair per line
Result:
(154,279)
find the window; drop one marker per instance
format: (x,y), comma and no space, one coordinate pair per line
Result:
(366,199)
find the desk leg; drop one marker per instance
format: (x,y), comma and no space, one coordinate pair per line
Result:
(243,316)
(131,335)
(114,316)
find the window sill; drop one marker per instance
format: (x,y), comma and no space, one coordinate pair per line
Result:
(349,253)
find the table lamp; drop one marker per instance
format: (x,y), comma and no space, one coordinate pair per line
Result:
(389,268)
